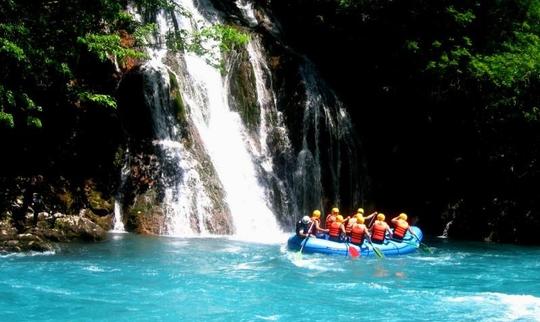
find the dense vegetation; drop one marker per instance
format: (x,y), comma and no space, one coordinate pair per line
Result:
(445,95)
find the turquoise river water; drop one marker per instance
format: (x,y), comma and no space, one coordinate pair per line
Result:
(134,278)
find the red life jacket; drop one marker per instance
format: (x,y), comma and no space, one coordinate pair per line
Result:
(357,233)
(334,229)
(400,229)
(329,220)
(379,228)
(350,225)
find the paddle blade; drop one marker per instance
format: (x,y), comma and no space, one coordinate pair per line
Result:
(378,252)
(425,248)
(353,252)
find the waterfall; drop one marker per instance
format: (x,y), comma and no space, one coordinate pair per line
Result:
(219,145)
(446,229)
(226,140)
(273,136)
(118,225)
(221,175)
(327,146)
(324,169)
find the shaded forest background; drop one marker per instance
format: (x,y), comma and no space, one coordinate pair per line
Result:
(444,96)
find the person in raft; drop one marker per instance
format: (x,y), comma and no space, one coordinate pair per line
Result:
(359,231)
(350,221)
(303,227)
(379,229)
(331,217)
(401,226)
(336,229)
(316,219)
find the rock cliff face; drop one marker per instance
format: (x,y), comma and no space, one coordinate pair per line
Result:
(33,223)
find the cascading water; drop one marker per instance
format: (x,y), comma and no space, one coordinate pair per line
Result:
(324,167)
(118,225)
(327,145)
(223,138)
(221,174)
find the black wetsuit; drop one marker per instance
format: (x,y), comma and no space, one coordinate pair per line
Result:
(301,227)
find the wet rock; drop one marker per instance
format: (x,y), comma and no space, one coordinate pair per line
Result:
(146,216)
(24,243)
(80,228)
(105,222)
(96,201)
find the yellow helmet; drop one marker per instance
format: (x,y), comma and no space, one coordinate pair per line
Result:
(380,217)
(335,210)
(403,216)
(339,218)
(360,211)
(359,219)
(316,213)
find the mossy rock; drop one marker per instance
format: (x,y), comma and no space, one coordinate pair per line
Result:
(146,216)
(105,222)
(80,228)
(243,90)
(98,204)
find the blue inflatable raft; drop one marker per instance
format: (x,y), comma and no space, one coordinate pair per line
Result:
(388,248)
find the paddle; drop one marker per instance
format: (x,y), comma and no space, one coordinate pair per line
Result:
(299,254)
(376,250)
(425,248)
(352,251)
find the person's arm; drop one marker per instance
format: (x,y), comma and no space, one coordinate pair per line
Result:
(318,228)
(388,230)
(366,230)
(370,218)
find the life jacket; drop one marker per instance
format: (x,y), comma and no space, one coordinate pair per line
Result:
(334,229)
(350,225)
(379,229)
(357,233)
(400,229)
(329,220)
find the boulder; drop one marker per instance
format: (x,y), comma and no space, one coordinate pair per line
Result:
(80,228)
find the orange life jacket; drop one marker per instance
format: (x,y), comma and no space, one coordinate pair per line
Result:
(334,229)
(400,228)
(379,228)
(357,233)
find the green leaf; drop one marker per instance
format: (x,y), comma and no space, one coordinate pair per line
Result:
(33,122)
(100,99)
(6,120)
